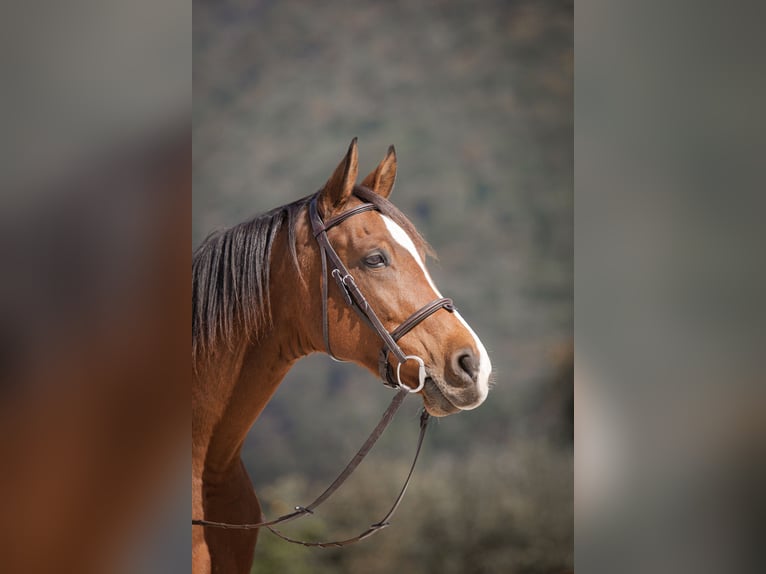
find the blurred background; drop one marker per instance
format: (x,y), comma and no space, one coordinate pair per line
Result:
(478,100)
(669,237)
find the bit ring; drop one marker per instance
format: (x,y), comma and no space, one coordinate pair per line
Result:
(421,374)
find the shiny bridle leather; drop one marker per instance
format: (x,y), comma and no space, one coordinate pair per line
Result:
(356,300)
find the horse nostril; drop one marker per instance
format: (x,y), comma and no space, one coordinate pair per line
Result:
(466,363)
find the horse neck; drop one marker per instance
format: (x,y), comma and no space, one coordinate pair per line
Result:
(242,382)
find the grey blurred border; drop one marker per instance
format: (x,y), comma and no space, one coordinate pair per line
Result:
(669,283)
(84,86)
(81,77)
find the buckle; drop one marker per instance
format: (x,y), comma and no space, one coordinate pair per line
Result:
(341,279)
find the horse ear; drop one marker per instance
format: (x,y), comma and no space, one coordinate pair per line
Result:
(381,181)
(338,188)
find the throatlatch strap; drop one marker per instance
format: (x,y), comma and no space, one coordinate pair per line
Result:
(325,323)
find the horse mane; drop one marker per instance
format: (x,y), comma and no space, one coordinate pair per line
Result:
(231,271)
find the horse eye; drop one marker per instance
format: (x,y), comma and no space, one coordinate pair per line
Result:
(376,260)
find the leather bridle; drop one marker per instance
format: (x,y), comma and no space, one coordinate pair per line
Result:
(356,300)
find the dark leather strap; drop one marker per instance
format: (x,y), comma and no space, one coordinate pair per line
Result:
(329,224)
(382,523)
(384,367)
(389,413)
(422,314)
(325,325)
(353,296)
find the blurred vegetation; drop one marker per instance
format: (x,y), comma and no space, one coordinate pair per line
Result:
(477,99)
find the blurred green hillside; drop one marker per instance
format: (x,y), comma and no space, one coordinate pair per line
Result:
(477,98)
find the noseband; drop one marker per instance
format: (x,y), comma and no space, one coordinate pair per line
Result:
(356,300)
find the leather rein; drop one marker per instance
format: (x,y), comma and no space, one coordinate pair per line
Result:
(355,299)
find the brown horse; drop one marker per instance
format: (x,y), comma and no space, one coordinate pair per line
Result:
(257,309)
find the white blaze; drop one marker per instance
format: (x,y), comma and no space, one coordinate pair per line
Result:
(485,367)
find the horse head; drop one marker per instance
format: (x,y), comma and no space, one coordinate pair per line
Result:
(386,256)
